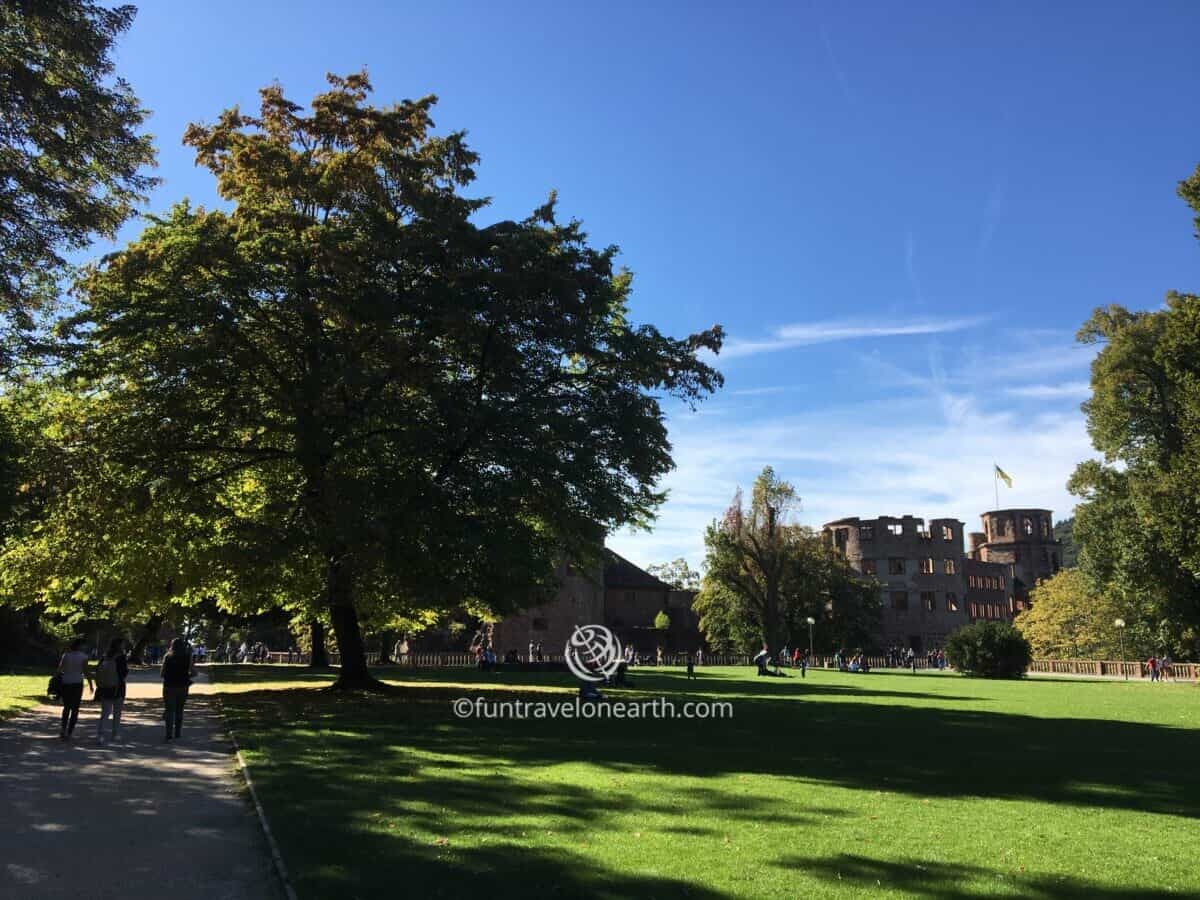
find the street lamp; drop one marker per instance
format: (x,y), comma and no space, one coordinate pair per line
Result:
(1120,623)
(811,622)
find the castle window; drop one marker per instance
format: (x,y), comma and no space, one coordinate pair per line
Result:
(952,602)
(900,600)
(895,528)
(868,567)
(926,566)
(1045,528)
(947,533)
(539,625)
(929,600)
(895,566)
(950,568)
(1054,561)
(866,532)
(1027,525)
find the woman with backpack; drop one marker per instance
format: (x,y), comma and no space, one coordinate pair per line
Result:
(110,686)
(177,672)
(72,669)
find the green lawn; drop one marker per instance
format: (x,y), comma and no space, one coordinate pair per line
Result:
(21,689)
(883,785)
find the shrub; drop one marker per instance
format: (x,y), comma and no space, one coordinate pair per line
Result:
(990,649)
(662,621)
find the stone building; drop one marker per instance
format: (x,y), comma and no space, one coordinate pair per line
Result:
(619,595)
(931,585)
(1022,539)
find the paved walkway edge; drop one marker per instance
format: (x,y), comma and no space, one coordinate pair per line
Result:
(276,856)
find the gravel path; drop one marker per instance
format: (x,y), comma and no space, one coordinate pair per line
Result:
(115,820)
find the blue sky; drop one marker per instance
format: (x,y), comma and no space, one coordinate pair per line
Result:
(900,213)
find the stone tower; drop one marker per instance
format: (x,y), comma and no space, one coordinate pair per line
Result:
(1024,539)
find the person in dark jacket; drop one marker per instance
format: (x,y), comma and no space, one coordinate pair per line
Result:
(177,673)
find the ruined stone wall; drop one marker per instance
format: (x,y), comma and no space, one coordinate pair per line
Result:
(921,569)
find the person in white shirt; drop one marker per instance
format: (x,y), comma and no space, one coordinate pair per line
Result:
(74,671)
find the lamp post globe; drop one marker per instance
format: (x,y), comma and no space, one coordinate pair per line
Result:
(811,622)
(1120,624)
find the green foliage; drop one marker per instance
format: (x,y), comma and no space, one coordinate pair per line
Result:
(990,649)
(1135,526)
(1065,531)
(662,621)
(378,399)
(1068,620)
(678,574)
(764,576)
(70,152)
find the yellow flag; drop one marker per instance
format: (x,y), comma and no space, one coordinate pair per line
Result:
(1002,475)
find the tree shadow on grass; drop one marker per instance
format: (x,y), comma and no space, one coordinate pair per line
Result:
(923,751)
(337,761)
(949,881)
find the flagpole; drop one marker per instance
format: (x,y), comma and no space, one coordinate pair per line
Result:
(996,484)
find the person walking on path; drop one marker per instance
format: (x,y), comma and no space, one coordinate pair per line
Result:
(73,669)
(110,687)
(177,672)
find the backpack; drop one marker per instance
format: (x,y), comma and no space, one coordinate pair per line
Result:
(106,674)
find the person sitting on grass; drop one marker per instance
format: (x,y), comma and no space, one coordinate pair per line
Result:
(760,660)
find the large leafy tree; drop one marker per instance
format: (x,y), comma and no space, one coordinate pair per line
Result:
(71,157)
(1067,619)
(430,410)
(765,575)
(1138,525)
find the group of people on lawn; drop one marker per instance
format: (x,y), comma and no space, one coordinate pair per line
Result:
(107,681)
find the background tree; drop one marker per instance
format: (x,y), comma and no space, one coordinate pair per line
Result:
(70,153)
(765,575)
(1065,531)
(431,410)
(677,573)
(1068,620)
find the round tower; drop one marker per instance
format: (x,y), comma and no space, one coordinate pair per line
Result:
(1023,538)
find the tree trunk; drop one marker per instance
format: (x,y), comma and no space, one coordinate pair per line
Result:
(386,640)
(149,633)
(771,622)
(354,673)
(318,657)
